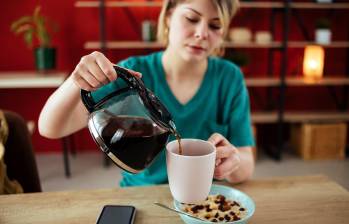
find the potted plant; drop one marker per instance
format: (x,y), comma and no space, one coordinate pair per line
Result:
(37,30)
(322,32)
(241,59)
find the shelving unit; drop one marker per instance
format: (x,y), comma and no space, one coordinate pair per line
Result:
(154,45)
(266,4)
(302,44)
(282,82)
(31,79)
(89,4)
(297,117)
(313,5)
(273,81)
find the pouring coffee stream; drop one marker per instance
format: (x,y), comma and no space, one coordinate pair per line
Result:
(178,137)
(130,124)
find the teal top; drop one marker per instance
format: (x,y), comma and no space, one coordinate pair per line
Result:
(221,105)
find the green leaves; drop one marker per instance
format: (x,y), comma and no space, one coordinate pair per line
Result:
(35,25)
(17,25)
(28,37)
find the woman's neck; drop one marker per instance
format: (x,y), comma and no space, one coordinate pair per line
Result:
(178,69)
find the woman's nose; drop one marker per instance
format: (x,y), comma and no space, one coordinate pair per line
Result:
(201,31)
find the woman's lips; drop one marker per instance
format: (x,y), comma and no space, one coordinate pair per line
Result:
(197,49)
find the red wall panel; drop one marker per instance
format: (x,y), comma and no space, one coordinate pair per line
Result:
(78,25)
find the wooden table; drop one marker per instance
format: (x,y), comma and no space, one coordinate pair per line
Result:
(309,199)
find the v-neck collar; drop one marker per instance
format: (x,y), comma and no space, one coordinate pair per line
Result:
(197,96)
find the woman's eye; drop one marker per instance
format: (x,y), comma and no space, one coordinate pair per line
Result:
(192,20)
(215,26)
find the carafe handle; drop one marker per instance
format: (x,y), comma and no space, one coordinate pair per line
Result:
(87,100)
(132,82)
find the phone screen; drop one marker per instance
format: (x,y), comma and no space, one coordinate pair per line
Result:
(121,214)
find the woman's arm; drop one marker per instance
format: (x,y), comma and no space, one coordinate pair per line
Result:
(246,168)
(64,112)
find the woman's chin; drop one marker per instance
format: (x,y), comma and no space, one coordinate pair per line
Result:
(194,57)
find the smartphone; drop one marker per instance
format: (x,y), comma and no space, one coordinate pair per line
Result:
(120,214)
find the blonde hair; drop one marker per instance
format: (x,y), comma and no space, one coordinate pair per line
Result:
(226,11)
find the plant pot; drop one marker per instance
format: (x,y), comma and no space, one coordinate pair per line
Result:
(323,36)
(148,31)
(45,58)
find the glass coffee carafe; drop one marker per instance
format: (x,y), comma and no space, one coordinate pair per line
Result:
(129,124)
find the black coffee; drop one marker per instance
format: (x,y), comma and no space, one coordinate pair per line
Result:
(178,137)
(134,140)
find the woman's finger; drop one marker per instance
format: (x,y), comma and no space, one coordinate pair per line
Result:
(106,66)
(97,72)
(218,139)
(218,162)
(137,74)
(78,75)
(83,84)
(227,166)
(224,152)
(91,79)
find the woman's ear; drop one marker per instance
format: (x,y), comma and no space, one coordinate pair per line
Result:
(168,18)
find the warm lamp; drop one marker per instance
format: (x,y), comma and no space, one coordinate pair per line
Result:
(313,63)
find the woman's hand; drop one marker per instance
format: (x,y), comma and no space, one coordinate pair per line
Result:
(227,156)
(95,70)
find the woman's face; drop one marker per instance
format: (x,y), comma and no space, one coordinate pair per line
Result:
(195,30)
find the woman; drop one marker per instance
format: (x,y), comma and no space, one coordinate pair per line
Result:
(206,95)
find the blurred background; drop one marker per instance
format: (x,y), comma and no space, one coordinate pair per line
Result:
(294,56)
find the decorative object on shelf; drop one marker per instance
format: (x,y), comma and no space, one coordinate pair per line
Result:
(240,35)
(322,32)
(263,37)
(36,32)
(241,59)
(313,62)
(148,30)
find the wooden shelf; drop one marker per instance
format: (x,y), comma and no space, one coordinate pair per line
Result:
(31,79)
(297,117)
(313,5)
(326,81)
(262,82)
(89,4)
(94,4)
(294,117)
(264,117)
(265,4)
(334,44)
(150,45)
(123,45)
(299,81)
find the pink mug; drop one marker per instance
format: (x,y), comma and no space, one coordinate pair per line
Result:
(190,175)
